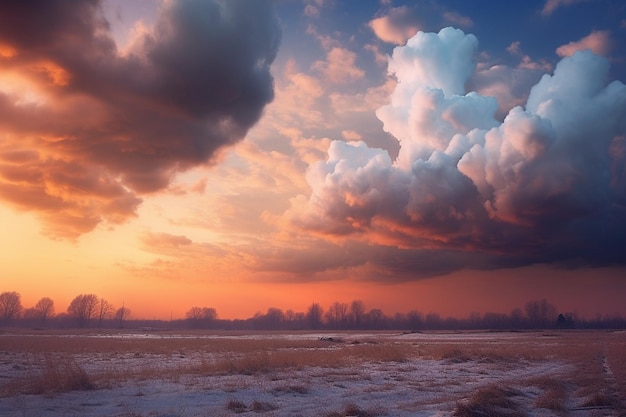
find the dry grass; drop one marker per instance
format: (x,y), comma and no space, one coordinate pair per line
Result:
(55,376)
(237,406)
(353,410)
(171,358)
(554,393)
(491,401)
(291,389)
(588,384)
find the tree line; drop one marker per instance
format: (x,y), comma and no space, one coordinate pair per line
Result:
(84,310)
(89,310)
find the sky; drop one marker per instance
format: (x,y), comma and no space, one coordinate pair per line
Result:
(452,157)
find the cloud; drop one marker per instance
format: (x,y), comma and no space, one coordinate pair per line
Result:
(379,56)
(311,11)
(509,86)
(339,66)
(552,5)
(71,197)
(545,184)
(187,87)
(351,135)
(599,42)
(396,27)
(457,19)
(514,48)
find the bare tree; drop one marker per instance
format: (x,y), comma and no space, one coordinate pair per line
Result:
(83,307)
(415,320)
(201,316)
(122,314)
(44,309)
(104,310)
(314,315)
(10,305)
(274,318)
(541,313)
(337,314)
(357,311)
(375,318)
(194,313)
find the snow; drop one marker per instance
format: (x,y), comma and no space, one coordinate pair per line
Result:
(417,386)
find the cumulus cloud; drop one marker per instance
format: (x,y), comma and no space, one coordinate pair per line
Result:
(509,85)
(545,184)
(397,26)
(598,41)
(190,85)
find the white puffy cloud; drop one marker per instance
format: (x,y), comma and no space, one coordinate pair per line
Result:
(546,184)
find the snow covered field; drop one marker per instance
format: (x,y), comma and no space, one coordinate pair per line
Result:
(307,374)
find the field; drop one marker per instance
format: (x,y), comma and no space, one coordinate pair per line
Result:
(159,374)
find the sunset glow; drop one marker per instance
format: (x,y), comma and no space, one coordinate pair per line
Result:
(454,158)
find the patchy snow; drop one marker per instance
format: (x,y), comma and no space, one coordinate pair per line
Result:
(417,386)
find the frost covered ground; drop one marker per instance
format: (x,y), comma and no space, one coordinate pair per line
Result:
(308,374)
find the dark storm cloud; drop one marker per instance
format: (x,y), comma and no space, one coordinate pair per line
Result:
(192,84)
(544,185)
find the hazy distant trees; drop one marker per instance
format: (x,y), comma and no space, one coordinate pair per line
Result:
(104,310)
(83,307)
(10,306)
(44,309)
(541,313)
(314,316)
(375,319)
(357,310)
(86,308)
(121,315)
(337,315)
(199,317)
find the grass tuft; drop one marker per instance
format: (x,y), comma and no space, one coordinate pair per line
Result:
(600,400)
(291,389)
(353,410)
(491,401)
(237,406)
(262,407)
(553,396)
(56,376)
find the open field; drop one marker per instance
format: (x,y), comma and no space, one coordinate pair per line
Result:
(564,373)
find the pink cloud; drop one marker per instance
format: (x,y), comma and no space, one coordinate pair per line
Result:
(458,19)
(598,41)
(339,66)
(552,5)
(311,11)
(398,26)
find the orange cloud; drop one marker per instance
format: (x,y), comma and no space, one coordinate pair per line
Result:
(598,41)
(396,27)
(340,66)
(123,124)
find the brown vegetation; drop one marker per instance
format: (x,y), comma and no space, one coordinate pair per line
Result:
(491,401)
(54,375)
(590,377)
